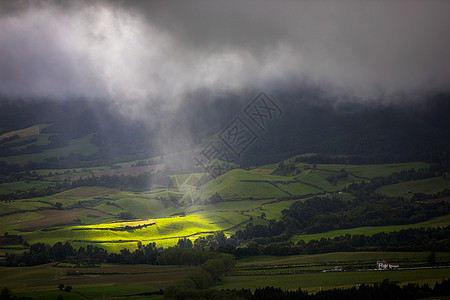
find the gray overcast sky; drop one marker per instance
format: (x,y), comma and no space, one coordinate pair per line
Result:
(132,51)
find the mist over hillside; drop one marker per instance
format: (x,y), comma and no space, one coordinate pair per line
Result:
(311,121)
(149,78)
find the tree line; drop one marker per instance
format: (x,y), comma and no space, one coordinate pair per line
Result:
(406,240)
(385,290)
(141,181)
(40,253)
(187,252)
(54,141)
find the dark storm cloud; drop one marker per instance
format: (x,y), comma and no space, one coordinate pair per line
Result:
(134,51)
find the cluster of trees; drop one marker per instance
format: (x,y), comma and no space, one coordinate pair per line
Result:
(210,272)
(422,197)
(8,139)
(435,157)
(215,198)
(10,239)
(321,214)
(414,239)
(396,177)
(338,175)
(334,159)
(41,253)
(140,181)
(386,290)
(275,228)
(143,180)
(54,141)
(34,192)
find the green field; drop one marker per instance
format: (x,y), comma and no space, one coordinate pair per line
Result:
(107,281)
(164,231)
(366,259)
(434,222)
(42,139)
(307,271)
(12,187)
(315,282)
(369,171)
(31,131)
(240,184)
(426,186)
(80,145)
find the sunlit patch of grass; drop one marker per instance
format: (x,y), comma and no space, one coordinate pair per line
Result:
(165,231)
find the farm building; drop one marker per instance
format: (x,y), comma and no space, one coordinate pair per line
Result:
(384,265)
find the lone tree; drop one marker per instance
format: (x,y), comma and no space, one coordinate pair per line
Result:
(68,288)
(61,286)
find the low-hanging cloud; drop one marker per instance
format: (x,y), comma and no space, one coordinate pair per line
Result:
(135,52)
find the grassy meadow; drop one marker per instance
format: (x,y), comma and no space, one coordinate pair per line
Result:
(314,282)
(408,188)
(80,145)
(370,230)
(103,282)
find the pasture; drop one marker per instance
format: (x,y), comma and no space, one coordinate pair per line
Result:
(80,145)
(18,186)
(316,281)
(104,282)
(118,235)
(369,230)
(26,132)
(407,189)
(361,259)
(306,271)
(369,171)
